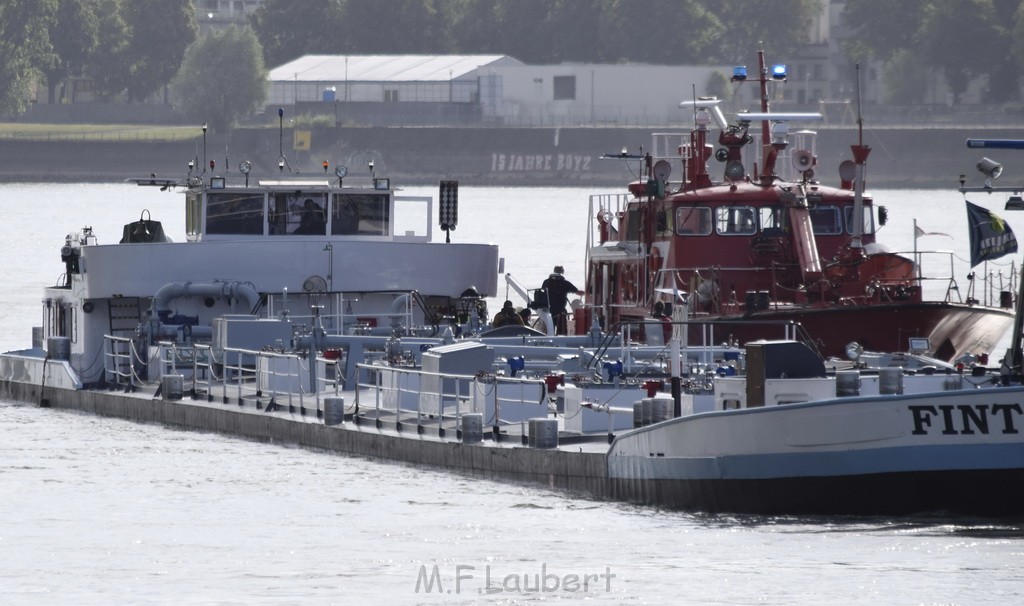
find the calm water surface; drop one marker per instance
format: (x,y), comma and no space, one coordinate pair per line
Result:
(101,511)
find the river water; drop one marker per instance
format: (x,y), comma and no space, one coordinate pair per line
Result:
(100,511)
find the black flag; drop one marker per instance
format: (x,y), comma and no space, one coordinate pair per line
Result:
(991,237)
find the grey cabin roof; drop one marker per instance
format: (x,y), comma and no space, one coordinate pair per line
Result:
(383,68)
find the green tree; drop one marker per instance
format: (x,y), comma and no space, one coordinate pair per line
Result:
(570,26)
(906,83)
(659,31)
(289,29)
(161,30)
(1017,39)
(421,23)
(882,28)
(504,27)
(222,78)
(24,44)
(1004,66)
(954,37)
(110,65)
(74,36)
(718,86)
(779,26)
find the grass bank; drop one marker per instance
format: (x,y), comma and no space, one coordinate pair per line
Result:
(18,131)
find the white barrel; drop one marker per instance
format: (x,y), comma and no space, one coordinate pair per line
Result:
(847,383)
(890,380)
(661,409)
(172,387)
(638,413)
(334,410)
(648,408)
(543,433)
(58,348)
(472,428)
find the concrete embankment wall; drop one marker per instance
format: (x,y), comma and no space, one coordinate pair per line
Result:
(580,473)
(901,157)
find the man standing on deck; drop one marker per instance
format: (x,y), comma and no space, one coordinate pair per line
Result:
(558,289)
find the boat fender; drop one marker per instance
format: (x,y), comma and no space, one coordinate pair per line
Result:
(654,261)
(516,364)
(614,369)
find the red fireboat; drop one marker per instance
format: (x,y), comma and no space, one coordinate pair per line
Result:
(756,248)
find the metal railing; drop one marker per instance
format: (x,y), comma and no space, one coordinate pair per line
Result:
(409,396)
(267,378)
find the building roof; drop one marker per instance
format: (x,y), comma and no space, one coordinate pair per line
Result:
(381,68)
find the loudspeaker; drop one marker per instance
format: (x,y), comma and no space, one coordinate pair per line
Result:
(802,160)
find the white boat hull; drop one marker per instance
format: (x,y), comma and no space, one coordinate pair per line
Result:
(946,452)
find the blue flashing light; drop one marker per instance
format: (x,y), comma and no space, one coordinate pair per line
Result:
(739,73)
(778,72)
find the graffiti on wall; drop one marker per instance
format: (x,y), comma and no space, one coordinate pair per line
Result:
(540,163)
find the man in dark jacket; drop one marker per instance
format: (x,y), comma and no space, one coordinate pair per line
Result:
(558,290)
(508,316)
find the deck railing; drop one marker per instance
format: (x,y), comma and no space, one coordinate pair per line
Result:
(266,378)
(437,401)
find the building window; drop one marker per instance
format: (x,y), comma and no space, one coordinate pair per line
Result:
(565,88)
(391,96)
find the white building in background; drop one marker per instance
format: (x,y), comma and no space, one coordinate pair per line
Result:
(382,78)
(599,93)
(502,88)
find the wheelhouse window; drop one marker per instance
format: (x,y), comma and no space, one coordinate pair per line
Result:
(298,213)
(693,221)
(825,221)
(234,213)
(735,221)
(774,220)
(663,222)
(869,220)
(360,214)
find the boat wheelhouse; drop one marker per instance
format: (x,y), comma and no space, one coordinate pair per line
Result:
(362,256)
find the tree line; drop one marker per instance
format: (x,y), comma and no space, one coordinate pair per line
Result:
(132,49)
(960,39)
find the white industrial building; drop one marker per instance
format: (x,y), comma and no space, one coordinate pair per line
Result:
(382,78)
(501,87)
